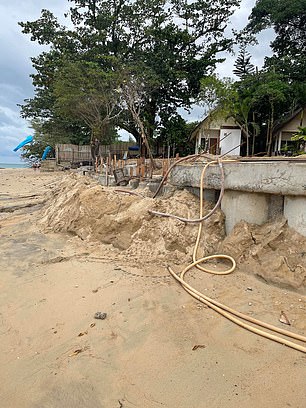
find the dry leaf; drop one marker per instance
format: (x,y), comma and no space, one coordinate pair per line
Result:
(198,346)
(78,351)
(82,333)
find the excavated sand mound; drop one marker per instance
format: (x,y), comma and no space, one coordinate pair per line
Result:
(273,251)
(80,206)
(97,213)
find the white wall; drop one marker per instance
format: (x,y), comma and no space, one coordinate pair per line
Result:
(232,140)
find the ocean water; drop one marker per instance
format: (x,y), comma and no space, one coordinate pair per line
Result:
(13,165)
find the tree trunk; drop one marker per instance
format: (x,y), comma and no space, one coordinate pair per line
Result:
(247,141)
(253,141)
(269,150)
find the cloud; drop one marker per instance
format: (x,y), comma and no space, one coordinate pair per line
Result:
(13,130)
(237,22)
(16,51)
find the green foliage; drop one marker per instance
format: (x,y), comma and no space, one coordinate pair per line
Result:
(254,102)
(300,135)
(218,95)
(83,90)
(177,134)
(243,66)
(288,18)
(175,42)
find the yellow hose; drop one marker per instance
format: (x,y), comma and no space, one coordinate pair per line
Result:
(224,310)
(228,313)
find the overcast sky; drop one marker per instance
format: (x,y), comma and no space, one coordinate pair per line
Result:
(15,64)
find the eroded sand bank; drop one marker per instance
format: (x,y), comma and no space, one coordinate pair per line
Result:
(70,248)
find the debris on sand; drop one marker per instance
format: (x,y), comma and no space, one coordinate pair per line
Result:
(100,315)
(284,319)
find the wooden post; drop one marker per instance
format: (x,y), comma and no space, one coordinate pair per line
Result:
(101,164)
(106,171)
(57,154)
(109,160)
(138,168)
(142,171)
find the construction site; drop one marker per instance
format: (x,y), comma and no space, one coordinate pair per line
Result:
(153,204)
(178,285)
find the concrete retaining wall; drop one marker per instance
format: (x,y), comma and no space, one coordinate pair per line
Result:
(254,192)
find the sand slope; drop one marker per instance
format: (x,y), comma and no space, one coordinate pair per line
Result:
(53,280)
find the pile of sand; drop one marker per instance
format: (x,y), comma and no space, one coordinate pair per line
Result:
(95,213)
(80,206)
(272,251)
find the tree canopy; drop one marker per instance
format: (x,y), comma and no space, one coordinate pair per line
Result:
(169,45)
(262,98)
(288,19)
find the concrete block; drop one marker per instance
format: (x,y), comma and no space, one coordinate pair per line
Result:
(295,213)
(276,206)
(134,183)
(210,195)
(111,180)
(250,207)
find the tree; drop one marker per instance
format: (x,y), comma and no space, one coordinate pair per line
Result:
(243,66)
(300,136)
(251,102)
(82,89)
(177,41)
(288,19)
(176,136)
(134,88)
(270,94)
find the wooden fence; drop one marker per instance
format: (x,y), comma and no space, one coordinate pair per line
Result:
(82,153)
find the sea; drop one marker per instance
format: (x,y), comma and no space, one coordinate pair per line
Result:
(13,165)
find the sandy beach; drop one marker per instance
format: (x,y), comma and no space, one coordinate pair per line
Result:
(157,346)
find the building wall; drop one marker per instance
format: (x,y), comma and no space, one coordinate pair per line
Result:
(289,130)
(217,128)
(232,141)
(293,125)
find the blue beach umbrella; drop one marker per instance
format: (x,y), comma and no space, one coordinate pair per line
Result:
(45,153)
(27,140)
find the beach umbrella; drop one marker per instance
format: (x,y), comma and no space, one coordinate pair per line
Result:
(45,153)
(27,140)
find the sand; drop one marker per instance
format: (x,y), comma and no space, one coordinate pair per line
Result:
(70,248)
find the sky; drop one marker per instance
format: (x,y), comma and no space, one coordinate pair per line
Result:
(16,49)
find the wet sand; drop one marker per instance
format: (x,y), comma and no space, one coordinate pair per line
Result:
(55,354)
